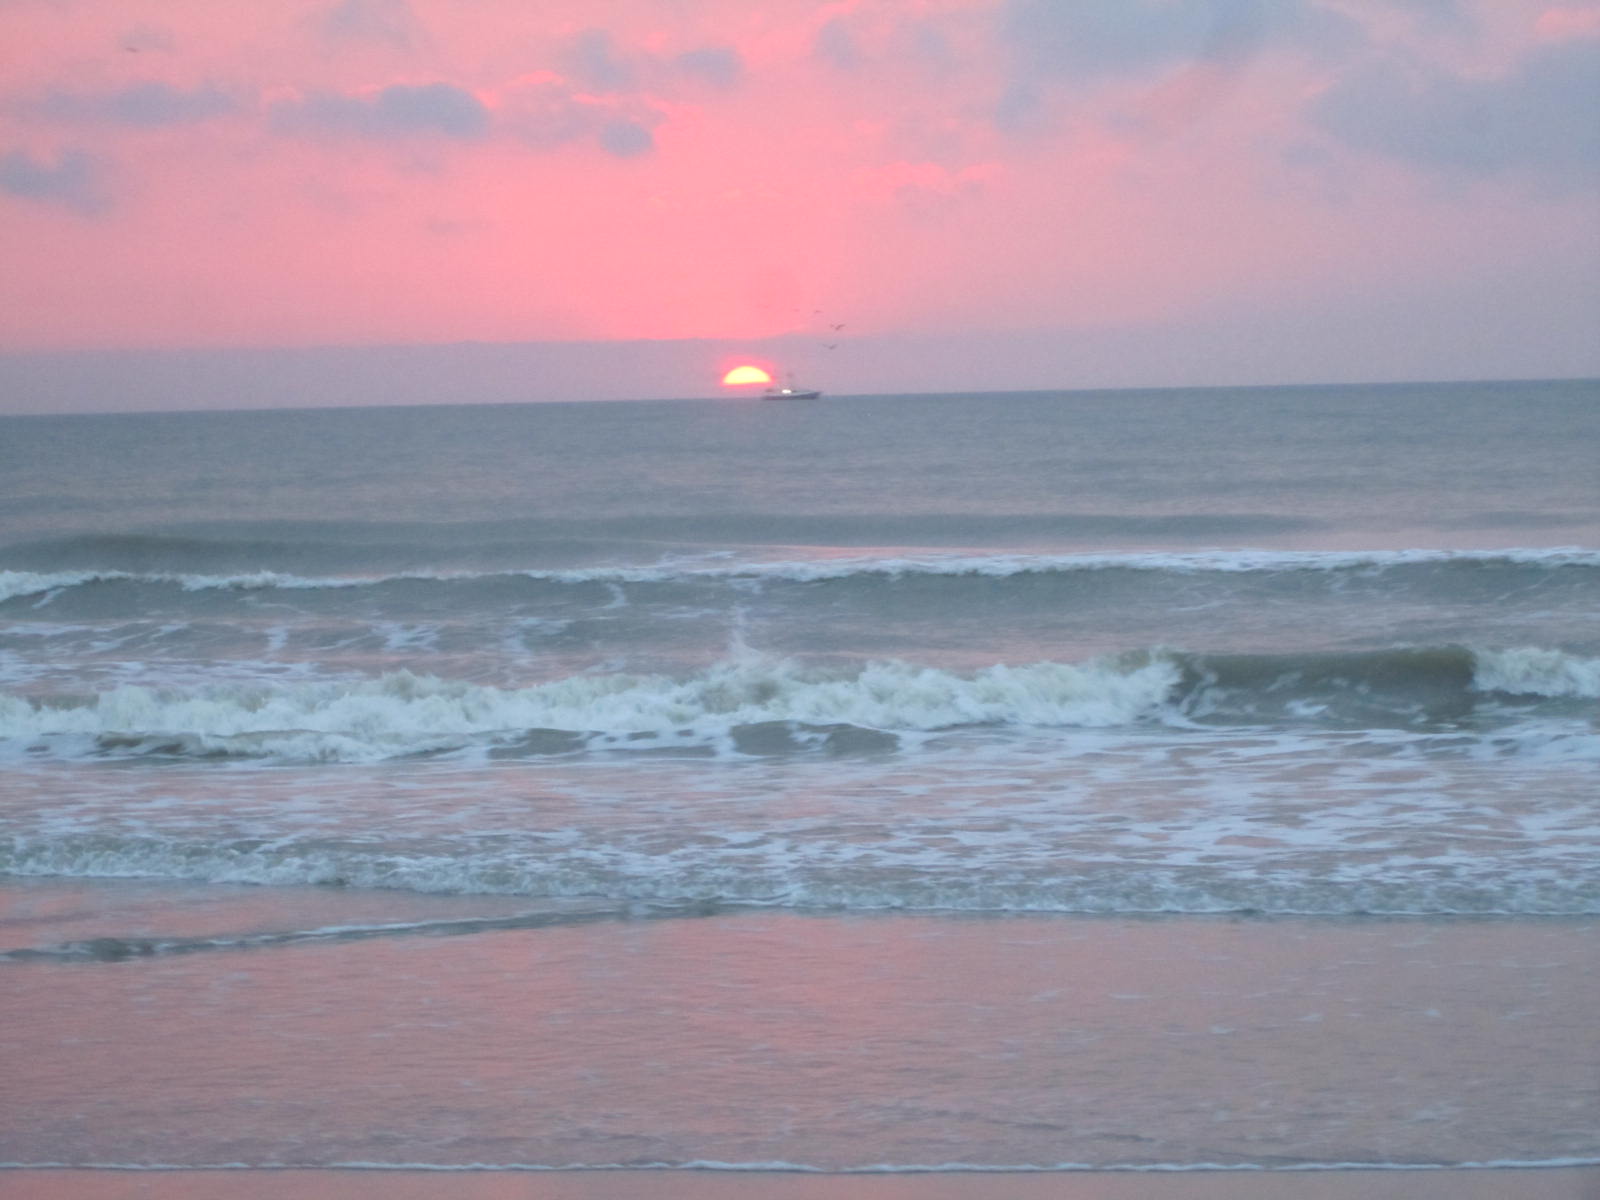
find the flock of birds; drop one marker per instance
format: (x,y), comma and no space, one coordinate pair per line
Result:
(835,328)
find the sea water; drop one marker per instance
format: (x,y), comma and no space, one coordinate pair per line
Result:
(1176,779)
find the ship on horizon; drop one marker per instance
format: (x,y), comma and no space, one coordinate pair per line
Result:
(790,391)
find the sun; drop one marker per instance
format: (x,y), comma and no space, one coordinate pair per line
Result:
(746,374)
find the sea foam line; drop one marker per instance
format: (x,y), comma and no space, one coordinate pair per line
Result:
(15,584)
(616,883)
(784,1167)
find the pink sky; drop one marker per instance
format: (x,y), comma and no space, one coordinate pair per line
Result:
(1288,182)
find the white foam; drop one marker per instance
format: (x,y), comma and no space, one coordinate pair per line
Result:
(402,713)
(1531,671)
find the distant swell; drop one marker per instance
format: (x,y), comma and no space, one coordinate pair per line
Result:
(15,584)
(754,705)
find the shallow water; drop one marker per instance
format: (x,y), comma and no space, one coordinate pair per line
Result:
(772,1038)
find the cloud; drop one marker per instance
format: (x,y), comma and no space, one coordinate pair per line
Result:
(719,65)
(591,59)
(928,45)
(1566,21)
(149,104)
(1438,16)
(1020,109)
(373,22)
(544,111)
(1095,41)
(400,110)
(1057,47)
(836,46)
(73,181)
(1539,117)
(626,139)
(593,62)
(1088,39)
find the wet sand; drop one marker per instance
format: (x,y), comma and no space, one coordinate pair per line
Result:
(763,1038)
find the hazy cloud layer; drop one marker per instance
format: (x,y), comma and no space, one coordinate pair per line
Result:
(389,23)
(836,46)
(719,65)
(1088,39)
(593,62)
(401,110)
(1438,16)
(1058,53)
(149,103)
(626,139)
(72,181)
(1543,116)
(544,112)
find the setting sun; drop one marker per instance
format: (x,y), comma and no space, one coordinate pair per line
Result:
(746,374)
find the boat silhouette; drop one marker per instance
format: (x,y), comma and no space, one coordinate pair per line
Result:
(789,391)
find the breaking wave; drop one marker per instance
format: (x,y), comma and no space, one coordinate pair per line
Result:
(751,702)
(755,705)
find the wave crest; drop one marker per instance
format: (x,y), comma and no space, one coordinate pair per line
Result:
(736,705)
(20,584)
(754,705)
(1530,671)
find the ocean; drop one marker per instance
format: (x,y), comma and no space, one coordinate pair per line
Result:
(1182,779)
